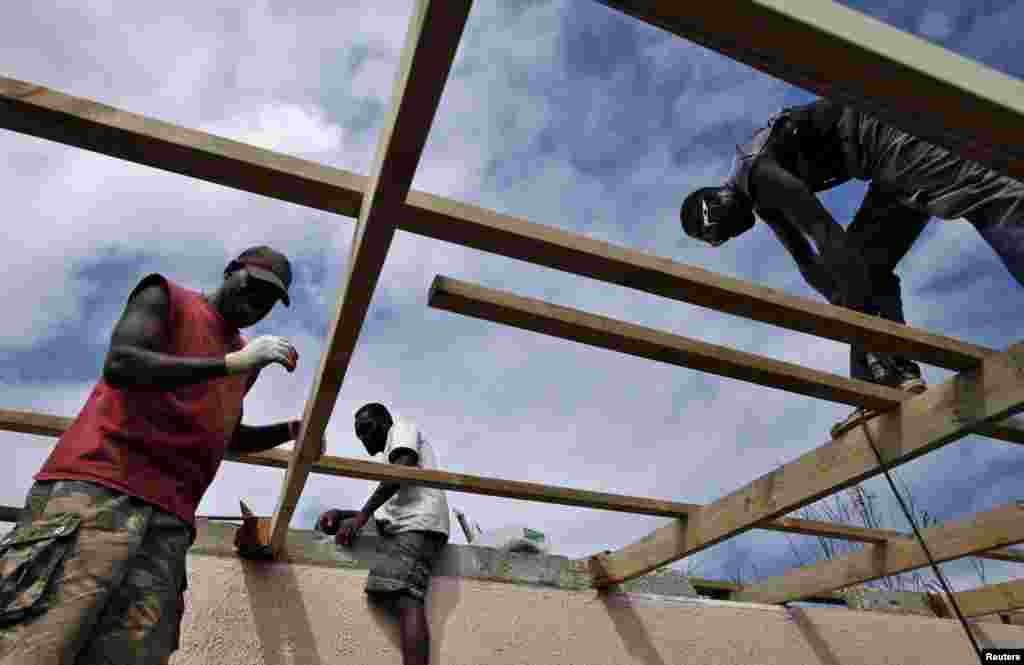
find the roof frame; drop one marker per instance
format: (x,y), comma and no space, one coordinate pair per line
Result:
(919,425)
(346,467)
(817,44)
(998,527)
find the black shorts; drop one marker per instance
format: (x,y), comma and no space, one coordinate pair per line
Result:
(405,563)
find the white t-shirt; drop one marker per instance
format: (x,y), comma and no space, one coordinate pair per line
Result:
(413,507)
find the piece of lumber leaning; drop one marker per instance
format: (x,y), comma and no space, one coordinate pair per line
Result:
(838,53)
(995,528)
(345,467)
(434,32)
(45,113)
(919,425)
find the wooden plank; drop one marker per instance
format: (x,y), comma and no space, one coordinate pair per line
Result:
(989,599)
(839,53)
(995,528)
(919,425)
(530,314)
(434,32)
(29,422)
(553,248)
(38,111)
(344,467)
(48,114)
(603,332)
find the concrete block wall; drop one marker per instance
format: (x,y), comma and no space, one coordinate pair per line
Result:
(494,608)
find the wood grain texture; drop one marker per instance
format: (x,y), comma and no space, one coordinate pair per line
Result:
(921,424)
(45,113)
(857,60)
(435,29)
(995,528)
(345,467)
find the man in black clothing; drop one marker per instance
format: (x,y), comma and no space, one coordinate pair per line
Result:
(811,148)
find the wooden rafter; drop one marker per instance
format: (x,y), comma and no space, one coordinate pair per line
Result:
(53,426)
(989,599)
(840,53)
(567,323)
(995,528)
(38,111)
(919,425)
(433,38)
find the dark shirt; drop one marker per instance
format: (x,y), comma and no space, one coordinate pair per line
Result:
(803,140)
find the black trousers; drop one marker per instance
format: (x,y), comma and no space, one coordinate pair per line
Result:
(937,182)
(883,230)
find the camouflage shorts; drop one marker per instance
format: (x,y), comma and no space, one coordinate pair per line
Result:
(405,563)
(90,575)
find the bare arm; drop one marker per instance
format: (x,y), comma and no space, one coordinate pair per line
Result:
(330,521)
(386,490)
(137,357)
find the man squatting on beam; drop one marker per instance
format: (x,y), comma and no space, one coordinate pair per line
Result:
(814,147)
(95,569)
(413,527)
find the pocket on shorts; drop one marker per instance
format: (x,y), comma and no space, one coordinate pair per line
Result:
(29,557)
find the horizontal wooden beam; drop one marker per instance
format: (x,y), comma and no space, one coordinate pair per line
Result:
(345,467)
(919,425)
(996,528)
(564,322)
(567,323)
(989,599)
(435,29)
(48,114)
(854,59)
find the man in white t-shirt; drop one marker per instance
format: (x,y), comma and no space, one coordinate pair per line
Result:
(413,524)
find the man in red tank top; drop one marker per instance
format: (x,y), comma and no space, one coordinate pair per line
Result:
(94,570)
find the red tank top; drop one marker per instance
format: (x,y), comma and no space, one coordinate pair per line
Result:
(162,446)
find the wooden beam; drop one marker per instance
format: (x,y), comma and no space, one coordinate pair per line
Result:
(508,236)
(345,467)
(538,316)
(857,60)
(989,599)
(434,32)
(48,114)
(919,425)
(38,111)
(567,323)
(996,528)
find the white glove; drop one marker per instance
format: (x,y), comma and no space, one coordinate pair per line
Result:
(260,352)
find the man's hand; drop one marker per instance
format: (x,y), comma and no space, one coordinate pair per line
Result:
(261,352)
(350,528)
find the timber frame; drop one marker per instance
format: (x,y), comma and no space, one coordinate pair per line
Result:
(817,44)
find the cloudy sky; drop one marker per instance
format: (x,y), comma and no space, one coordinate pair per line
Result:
(563,112)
